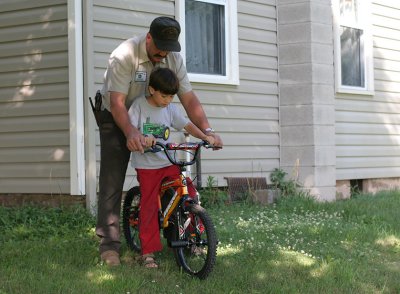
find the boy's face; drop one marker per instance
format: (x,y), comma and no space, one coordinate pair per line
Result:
(160,99)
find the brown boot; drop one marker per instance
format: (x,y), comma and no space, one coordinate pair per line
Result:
(111,258)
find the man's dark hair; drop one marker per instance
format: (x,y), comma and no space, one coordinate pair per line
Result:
(164,80)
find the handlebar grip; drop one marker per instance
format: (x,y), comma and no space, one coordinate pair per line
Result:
(209,146)
(153,149)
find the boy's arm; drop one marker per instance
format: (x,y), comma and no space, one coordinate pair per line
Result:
(196,132)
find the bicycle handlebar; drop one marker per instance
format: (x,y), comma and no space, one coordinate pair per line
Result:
(195,146)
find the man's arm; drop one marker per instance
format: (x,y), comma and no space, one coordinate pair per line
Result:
(196,132)
(134,139)
(197,115)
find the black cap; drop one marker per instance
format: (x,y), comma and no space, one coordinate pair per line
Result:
(165,32)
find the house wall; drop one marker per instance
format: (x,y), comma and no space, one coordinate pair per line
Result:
(34,119)
(34,103)
(246,116)
(368,127)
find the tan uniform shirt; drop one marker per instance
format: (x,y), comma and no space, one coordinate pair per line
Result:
(129,69)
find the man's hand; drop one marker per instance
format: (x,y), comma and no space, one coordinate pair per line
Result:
(217,140)
(135,141)
(210,139)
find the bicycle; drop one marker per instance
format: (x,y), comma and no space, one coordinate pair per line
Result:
(186,225)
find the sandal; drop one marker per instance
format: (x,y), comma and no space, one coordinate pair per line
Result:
(148,261)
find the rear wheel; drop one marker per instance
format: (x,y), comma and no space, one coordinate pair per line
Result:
(195,241)
(130,218)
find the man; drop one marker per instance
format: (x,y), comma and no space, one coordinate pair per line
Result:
(125,79)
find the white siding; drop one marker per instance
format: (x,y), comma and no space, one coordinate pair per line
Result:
(368,127)
(34,126)
(246,116)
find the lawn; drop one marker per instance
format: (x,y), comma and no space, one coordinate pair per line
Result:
(294,246)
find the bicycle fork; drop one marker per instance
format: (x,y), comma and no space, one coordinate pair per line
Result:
(189,236)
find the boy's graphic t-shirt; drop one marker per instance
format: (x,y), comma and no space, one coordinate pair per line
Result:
(154,120)
(155,129)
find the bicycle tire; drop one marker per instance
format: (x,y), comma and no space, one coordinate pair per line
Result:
(130,219)
(195,248)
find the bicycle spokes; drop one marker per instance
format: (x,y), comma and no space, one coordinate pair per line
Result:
(130,218)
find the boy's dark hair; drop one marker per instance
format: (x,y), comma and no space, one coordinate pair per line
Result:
(164,80)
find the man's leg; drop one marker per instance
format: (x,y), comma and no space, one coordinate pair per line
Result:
(113,165)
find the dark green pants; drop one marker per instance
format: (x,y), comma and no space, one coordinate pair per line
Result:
(114,158)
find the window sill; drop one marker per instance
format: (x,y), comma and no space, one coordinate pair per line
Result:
(355,91)
(212,79)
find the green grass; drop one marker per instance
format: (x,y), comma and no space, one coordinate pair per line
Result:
(294,246)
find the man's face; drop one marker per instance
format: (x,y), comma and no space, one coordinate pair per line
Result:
(155,55)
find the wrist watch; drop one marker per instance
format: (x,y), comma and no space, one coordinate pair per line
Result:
(209,130)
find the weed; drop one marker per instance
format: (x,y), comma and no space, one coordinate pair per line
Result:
(212,195)
(287,187)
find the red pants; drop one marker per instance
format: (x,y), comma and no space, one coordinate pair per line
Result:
(150,182)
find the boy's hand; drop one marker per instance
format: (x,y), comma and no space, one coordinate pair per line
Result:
(149,140)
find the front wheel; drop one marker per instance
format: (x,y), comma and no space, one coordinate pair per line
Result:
(195,241)
(130,218)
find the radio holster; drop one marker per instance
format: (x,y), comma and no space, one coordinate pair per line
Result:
(96,107)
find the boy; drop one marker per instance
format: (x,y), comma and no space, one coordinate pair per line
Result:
(157,110)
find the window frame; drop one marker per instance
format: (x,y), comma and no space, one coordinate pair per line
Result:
(231,76)
(364,24)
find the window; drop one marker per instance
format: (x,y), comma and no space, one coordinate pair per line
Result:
(209,40)
(353,47)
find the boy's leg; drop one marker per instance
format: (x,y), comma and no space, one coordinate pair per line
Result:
(150,182)
(149,233)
